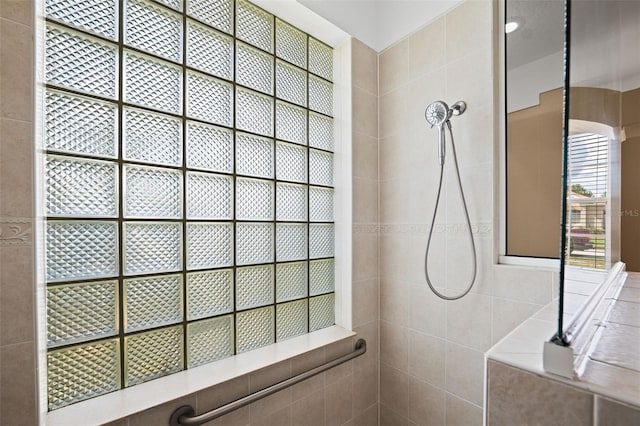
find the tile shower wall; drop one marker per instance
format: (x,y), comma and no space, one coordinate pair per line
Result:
(17,332)
(432,351)
(345,395)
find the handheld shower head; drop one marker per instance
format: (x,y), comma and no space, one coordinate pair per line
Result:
(437,113)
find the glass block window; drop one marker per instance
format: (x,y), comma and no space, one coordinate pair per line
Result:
(189,188)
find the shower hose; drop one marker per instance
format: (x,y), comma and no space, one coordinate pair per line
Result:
(433,221)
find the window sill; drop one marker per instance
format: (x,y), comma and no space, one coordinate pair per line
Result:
(126,402)
(536,262)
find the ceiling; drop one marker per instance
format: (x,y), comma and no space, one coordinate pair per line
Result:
(380,23)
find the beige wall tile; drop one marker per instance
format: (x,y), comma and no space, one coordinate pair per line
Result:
(303,363)
(394,346)
(426,403)
(281,417)
(309,410)
(465,373)
(339,401)
(20,11)
(470,79)
(367,418)
(611,413)
(389,417)
(469,321)
(507,315)
(523,284)
(365,301)
(394,389)
(426,311)
(16,70)
(393,111)
(17,317)
(462,413)
(336,350)
(395,155)
(18,390)
(394,66)
(517,397)
(468,27)
(369,332)
(222,394)
(364,66)
(264,378)
(365,200)
(365,156)
(394,199)
(427,358)
(16,159)
(365,384)
(394,301)
(425,89)
(365,112)
(365,256)
(426,48)
(160,414)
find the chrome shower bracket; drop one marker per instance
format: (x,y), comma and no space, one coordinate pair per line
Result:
(459,108)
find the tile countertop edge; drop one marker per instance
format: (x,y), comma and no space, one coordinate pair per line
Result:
(506,352)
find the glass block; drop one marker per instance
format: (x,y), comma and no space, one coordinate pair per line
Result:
(320,95)
(152,138)
(209,293)
(291,44)
(152,83)
(152,247)
(80,312)
(320,59)
(291,319)
(291,123)
(254,329)
(322,312)
(209,245)
(291,83)
(81,62)
(80,125)
(320,131)
(254,25)
(321,240)
(209,51)
(320,168)
(254,199)
(153,354)
(291,281)
(152,302)
(209,340)
(152,192)
(209,99)
(291,242)
(254,112)
(81,250)
(291,162)
(150,27)
(173,4)
(321,204)
(78,187)
(254,155)
(291,204)
(255,243)
(254,286)
(217,13)
(209,196)
(96,16)
(81,372)
(209,147)
(254,68)
(321,276)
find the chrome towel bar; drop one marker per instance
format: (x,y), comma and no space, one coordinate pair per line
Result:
(185,415)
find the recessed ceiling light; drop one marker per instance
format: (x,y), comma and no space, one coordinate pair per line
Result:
(511,26)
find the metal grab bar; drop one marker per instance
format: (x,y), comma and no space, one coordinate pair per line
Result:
(185,415)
